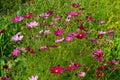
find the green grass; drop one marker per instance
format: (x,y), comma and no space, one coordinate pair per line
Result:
(26,64)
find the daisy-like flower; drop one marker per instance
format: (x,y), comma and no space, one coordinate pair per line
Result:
(56,70)
(33,78)
(32,24)
(100,74)
(75,5)
(98,54)
(72,66)
(17,18)
(81,35)
(28,15)
(5,78)
(15,52)
(69,38)
(81,74)
(100,36)
(89,18)
(47,32)
(17,37)
(43,48)
(58,32)
(59,40)
(101,22)
(102,32)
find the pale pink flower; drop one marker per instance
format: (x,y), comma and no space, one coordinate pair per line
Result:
(102,32)
(81,74)
(108,40)
(17,37)
(41,31)
(60,40)
(34,78)
(67,19)
(32,24)
(101,22)
(69,38)
(47,32)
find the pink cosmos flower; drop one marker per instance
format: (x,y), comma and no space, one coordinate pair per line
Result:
(50,12)
(34,78)
(32,24)
(108,40)
(41,31)
(47,32)
(67,19)
(58,32)
(75,5)
(59,40)
(17,18)
(72,66)
(69,38)
(98,54)
(72,34)
(73,14)
(101,32)
(89,18)
(43,48)
(81,74)
(17,37)
(28,15)
(5,78)
(101,22)
(56,18)
(115,61)
(15,52)
(94,40)
(56,70)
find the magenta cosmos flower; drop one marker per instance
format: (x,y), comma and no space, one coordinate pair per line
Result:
(72,66)
(81,35)
(32,24)
(56,70)
(34,78)
(28,15)
(98,54)
(17,37)
(81,74)
(17,18)
(15,52)
(89,18)
(5,78)
(75,5)
(58,32)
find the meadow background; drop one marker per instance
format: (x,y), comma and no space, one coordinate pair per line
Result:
(39,63)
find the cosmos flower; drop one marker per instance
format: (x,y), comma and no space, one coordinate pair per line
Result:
(5,78)
(75,5)
(81,74)
(100,74)
(47,32)
(17,37)
(59,40)
(32,24)
(28,15)
(34,78)
(17,18)
(30,50)
(58,32)
(15,52)
(101,32)
(43,48)
(56,70)
(100,36)
(56,18)
(89,18)
(72,66)
(101,22)
(98,54)
(81,35)
(69,38)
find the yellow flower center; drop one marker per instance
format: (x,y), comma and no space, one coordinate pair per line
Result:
(56,71)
